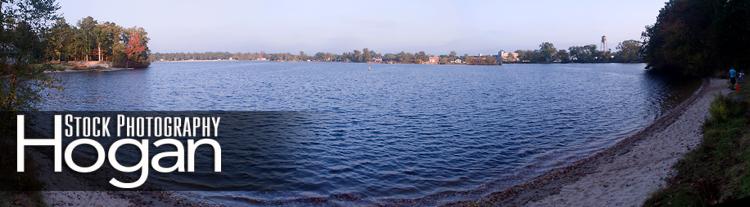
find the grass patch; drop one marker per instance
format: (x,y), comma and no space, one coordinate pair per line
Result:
(718,170)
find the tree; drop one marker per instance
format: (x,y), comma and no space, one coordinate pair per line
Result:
(106,35)
(563,56)
(357,56)
(23,24)
(547,52)
(527,56)
(86,37)
(60,40)
(404,57)
(302,56)
(136,50)
(452,56)
(629,51)
(584,54)
(421,57)
(366,55)
(698,37)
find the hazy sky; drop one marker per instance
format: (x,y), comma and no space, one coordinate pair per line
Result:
(435,26)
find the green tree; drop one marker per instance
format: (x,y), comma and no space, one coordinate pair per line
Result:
(23,24)
(404,57)
(86,37)
(629,51)
(357,56)
(547,52)
(60,40)
(421,57)
(366,55)
(698,37)
(563,56)
(584,54)
(107,34)
(528,56)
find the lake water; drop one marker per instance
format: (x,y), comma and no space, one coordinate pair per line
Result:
(398,133)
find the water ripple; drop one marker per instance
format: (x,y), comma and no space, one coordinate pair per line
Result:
(399,133)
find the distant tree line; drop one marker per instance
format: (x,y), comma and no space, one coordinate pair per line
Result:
(628,51)
(699,37)
(90,40)
(356,56)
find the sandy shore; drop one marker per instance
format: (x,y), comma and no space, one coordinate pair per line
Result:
(104,198)
(626,174)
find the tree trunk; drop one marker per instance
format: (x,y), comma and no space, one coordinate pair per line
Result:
(12,91)
(99,49)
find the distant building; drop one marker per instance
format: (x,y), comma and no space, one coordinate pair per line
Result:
(499,58)
(377,60)
(433,60)
(510,57)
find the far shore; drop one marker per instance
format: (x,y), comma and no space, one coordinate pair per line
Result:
(82,66)
(88,70)
(190,61)
(380,63)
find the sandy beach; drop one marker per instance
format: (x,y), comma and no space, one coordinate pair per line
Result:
(104,198)
(626,174)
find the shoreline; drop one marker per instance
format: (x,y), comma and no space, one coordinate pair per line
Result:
(88,70)
(105,198)
(83,66)
(625,174)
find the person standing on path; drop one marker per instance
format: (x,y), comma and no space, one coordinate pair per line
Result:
(732,77)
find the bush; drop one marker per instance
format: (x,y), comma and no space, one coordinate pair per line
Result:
(724,108)
(718,170)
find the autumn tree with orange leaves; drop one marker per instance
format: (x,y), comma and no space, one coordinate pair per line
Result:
(136,50)
(132,51)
